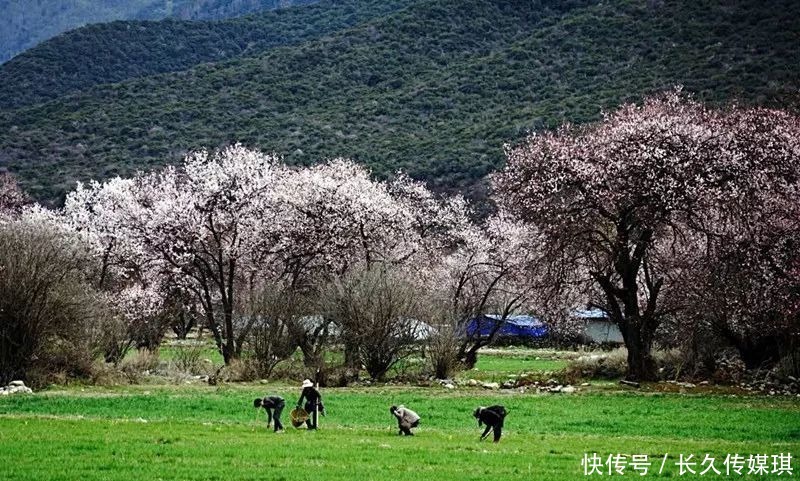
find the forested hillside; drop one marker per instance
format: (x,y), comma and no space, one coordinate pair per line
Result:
(435,88)
(117,51)
(25,23)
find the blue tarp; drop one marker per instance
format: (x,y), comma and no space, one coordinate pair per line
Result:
(528,327)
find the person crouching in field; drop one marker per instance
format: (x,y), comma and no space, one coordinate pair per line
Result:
(313,404)
(406,419)
(492,417)
(274,406)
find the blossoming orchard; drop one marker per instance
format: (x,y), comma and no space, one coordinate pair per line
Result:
(679,221)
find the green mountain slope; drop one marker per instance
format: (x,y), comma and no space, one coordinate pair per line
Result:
(117,51)
(25,23)
(435,89)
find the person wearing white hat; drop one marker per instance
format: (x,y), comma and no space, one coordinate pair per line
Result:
(313,404)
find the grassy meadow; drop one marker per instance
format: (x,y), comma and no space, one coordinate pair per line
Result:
(498,365)
(200,432)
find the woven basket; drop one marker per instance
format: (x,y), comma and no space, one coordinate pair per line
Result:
(299,416)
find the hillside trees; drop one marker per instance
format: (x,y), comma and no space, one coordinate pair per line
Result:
(134,49)
(26,24)
(614,199)
(451,135)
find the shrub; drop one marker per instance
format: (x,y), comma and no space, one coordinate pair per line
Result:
(609,365)
(273,338)
(240,370)
(113,339)
(375,310)
(138,365)
(670,364)
(47,307)
(105,374)
(728,367)
(187,356)
(789,365)
(441,352)
(60,361)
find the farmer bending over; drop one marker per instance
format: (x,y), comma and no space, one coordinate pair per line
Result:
(274,406)
(492,417)
(313,403)
(406,419)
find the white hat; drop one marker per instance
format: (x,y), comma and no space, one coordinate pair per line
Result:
(307,383)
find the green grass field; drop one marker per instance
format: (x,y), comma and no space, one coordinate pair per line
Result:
(211,433)
(199,432)
(170,353)
(501,364)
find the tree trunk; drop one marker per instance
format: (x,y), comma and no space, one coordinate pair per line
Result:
(470,359)
(442,369)
(183,325)
(231,350)
(311,357)
(641,366)
(352,359)
(637,326)
(377,372)
(468,352)
(228,354)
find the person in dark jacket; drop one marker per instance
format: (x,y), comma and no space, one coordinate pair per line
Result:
(313,405)
(274,406)
(492,417)
(406,419)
